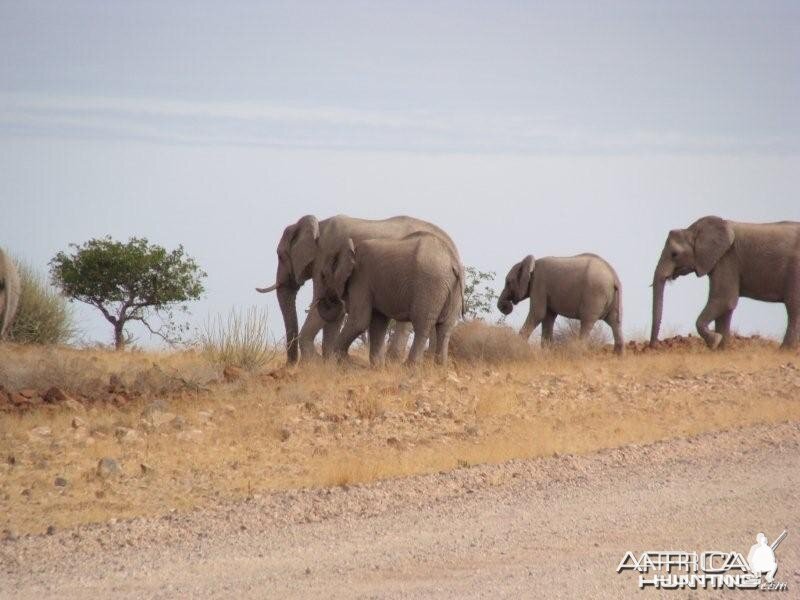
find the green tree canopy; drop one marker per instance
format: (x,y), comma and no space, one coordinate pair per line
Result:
(479,297)
(133,281)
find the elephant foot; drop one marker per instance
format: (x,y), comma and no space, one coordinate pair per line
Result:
(713,340)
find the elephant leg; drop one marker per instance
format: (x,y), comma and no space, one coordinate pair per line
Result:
(616,331)
(422,331)
(531,322)
(586,328)
(714,309)
(354,326)
(398,341)
(311,327)
(547,328)
(443,332)
(377,338)
(330,331)
(792,337)
(722,326)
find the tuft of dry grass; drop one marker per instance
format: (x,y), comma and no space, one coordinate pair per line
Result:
(241,339)
(478,341)
(43,316)
(325,424)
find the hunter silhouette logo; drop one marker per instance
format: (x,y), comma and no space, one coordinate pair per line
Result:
(712,569)
(761,557)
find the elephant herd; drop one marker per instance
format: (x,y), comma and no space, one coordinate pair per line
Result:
(368,272)
(410,271)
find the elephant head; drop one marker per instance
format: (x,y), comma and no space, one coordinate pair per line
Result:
(696,249)
(336,269)
(517,286)
(297,250)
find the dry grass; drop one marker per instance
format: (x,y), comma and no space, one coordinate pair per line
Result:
(478,341)
(329,425)
(241,339)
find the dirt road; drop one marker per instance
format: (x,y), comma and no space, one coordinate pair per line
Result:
(554,527)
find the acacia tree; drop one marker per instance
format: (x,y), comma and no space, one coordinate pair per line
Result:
(479,298)
(133,281)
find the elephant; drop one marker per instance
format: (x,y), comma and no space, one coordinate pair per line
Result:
(9,293)
(417,278)
(298,250)
(581,287)
(751,260)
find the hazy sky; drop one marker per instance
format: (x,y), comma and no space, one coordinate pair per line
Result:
(519,127)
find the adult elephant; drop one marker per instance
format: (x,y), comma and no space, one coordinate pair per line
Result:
(299,249)
(9,293)
(751,260)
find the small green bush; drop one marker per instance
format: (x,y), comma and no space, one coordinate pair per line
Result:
(240,339)
(43,316)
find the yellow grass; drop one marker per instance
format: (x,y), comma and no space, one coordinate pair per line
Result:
(329,425)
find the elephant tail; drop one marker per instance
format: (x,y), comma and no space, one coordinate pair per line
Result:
(616,303)
(459,289)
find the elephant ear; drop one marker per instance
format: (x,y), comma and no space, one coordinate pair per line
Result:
(345,263)
(302,246)
(524,275)
(712,238)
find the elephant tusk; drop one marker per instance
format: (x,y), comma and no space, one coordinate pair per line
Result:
(312,306)
(267,290)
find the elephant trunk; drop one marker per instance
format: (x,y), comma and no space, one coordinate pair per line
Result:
(658,309)
(665,269)
(287,297)
(504,304)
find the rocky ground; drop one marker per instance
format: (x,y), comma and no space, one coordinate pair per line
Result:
(554,527)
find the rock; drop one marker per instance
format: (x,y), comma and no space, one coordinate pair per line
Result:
(51,529)
(472,430)
(393,442)
(146,469)
(60,482)
(159,419)
(453,378)
(28,393)
(231,374)
(78,423)
(55,395)
(115,384)
(126,435)
(156,406)
(205,415)
(37,433)
(229,409)
(179,423)
(8,535)
(192,435)
(284,434)
(74,405)
(107,467)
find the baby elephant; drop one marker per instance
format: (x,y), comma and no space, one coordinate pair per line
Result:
(581,287)
(416,278)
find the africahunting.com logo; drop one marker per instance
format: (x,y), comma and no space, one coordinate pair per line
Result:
(712,569)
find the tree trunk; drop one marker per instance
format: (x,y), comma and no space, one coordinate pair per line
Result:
(119,335)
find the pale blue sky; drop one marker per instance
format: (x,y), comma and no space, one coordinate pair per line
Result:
(520,127)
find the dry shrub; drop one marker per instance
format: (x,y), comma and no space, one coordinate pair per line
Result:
(239,340)
(44,316)
(477,341)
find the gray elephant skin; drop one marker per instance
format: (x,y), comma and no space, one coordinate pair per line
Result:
(9,293)
(418,279)
(583,287)
(301,244)
(750,260)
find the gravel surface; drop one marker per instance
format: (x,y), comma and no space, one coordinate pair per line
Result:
(554,527)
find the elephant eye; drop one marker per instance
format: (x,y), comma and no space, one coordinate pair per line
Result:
(674,254)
